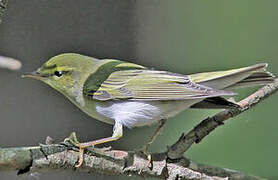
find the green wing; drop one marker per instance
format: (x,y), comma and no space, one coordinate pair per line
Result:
(143,84)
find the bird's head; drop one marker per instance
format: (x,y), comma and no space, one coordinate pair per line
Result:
(65,72)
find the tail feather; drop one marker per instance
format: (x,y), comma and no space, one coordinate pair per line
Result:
(215,103)
(242,77)
(255,79)
(231,79)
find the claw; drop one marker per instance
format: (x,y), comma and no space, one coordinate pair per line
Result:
(81,157)
(150,161)
(148,155)
(74,141)
(147,147)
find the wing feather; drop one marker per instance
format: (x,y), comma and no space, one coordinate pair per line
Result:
(152,85)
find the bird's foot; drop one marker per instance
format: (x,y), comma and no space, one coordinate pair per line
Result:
(148,155)
(72,139)
(81,157)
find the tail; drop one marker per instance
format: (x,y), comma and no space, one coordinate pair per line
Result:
(231,79)
(235,78)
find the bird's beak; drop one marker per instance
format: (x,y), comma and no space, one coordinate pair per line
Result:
(34,75)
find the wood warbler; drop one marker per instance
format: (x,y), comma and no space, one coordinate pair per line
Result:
(131,95)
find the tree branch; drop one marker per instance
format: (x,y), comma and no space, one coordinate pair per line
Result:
(3,7)
(167,165)
(9,63)
(209,124)
(111,162)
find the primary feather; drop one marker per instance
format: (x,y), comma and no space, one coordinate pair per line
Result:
(149,85)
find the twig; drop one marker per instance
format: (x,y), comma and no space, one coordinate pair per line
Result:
(168,165)
(209,124)
(9,63)
(114,162)
(3,7)
(60,157)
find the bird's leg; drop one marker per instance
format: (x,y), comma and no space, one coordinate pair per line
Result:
(72,139)
(156,133)
(117,133)
(82,147)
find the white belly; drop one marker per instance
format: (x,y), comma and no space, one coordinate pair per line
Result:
(141,113)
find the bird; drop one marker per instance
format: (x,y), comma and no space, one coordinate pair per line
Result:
(126,94)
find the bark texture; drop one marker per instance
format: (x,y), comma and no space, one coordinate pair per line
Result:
(167,165)
(3,7)
(110,162)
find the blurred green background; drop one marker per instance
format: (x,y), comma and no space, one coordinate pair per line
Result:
(180,36)
(196,36)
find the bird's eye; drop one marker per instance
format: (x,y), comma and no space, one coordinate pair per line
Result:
(58,73)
